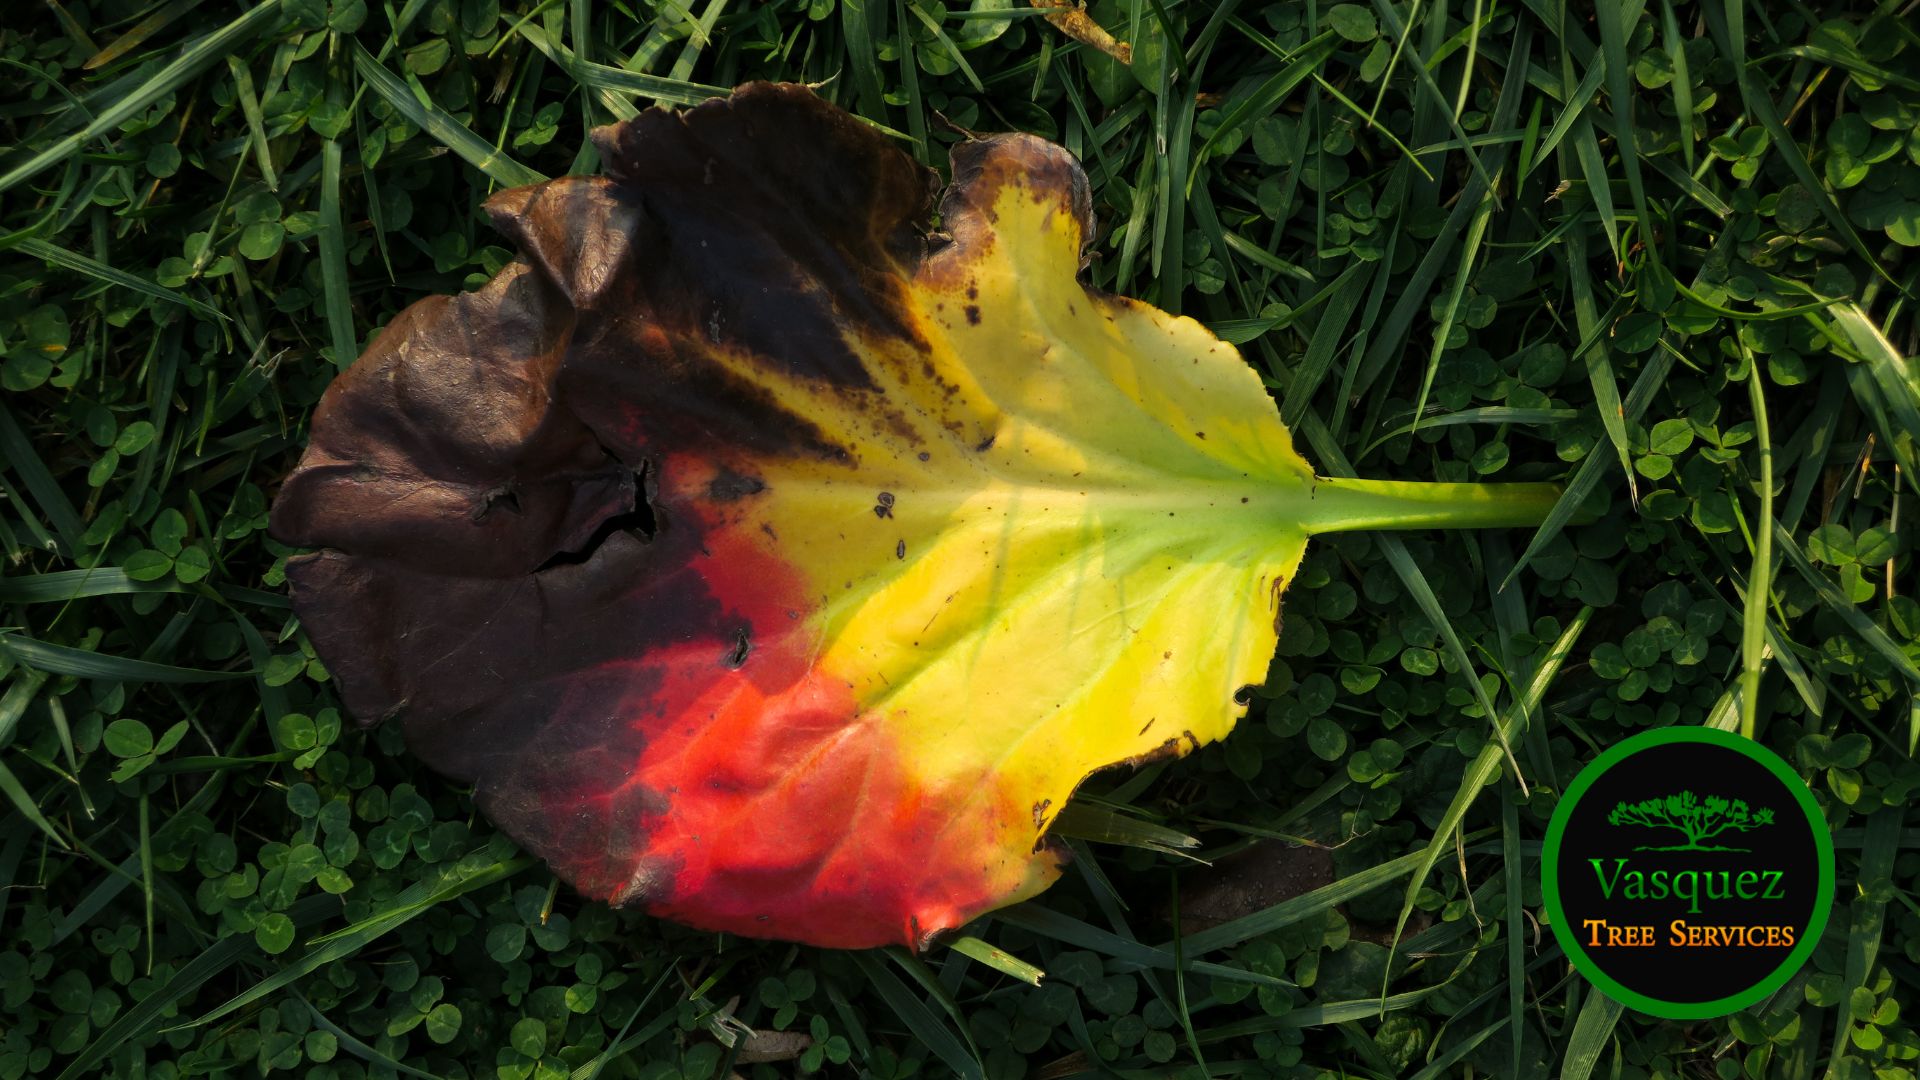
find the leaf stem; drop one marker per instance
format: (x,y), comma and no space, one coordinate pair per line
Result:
(1339,504)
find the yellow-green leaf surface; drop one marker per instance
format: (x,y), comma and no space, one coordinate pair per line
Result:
(773,561)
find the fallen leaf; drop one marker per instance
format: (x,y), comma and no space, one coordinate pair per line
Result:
(763,1047)
(772,563)
(1070,18)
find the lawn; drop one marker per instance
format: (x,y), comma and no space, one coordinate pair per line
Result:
(1663,254)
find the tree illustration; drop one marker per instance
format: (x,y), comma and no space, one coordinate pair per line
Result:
(1699,820)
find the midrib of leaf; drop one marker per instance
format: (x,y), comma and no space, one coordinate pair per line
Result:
(1125,548)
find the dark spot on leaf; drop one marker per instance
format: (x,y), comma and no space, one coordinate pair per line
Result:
(736,656)
(973,314)
(1164,752)
(986,444)
(730,486)
(900,550)
(1145,726)
(1040,813)
(924,456)
(883,505)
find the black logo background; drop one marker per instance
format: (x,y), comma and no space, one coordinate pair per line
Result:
(1683,973)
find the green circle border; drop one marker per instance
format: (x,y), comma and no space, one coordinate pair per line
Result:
(1569,941)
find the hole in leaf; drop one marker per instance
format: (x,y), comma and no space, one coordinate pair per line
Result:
(639,520)
(502,498)
(736,657)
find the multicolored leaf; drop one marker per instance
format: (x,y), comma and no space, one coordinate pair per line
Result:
(770,560)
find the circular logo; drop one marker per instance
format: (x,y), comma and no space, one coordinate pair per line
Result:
(1688,872)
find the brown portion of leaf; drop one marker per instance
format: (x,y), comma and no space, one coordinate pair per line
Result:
(1070,18)
(981,169)
(441,447)
(770,223)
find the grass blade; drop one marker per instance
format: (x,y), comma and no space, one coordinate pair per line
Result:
(412,902)
(1511,864)
(1571,111)
(1469,252)
(18,454)
(1587,477)
(1486,414)
(142,1018)
(1344,293)
(615,84)
(62,660)
(1302,63)
(99,271)
(1486,763)
(1606,388)
(1753,625)
(438,125)
(866,75)
(1069,930)
(1682,80)
(1084,819)
(64,585)
(1866,922)
(1289,912)
(333,260)
(998,959)
(256,121)
(1727,21)
(1617,18)
(193,59)
(355,1046)
(29,808)
(1896,379)
(922,1024)
(1837,601)
(1591,1030)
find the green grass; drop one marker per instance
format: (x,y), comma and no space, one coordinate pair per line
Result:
(1663,253)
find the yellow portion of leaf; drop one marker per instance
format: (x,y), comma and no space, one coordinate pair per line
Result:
(1088,563)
